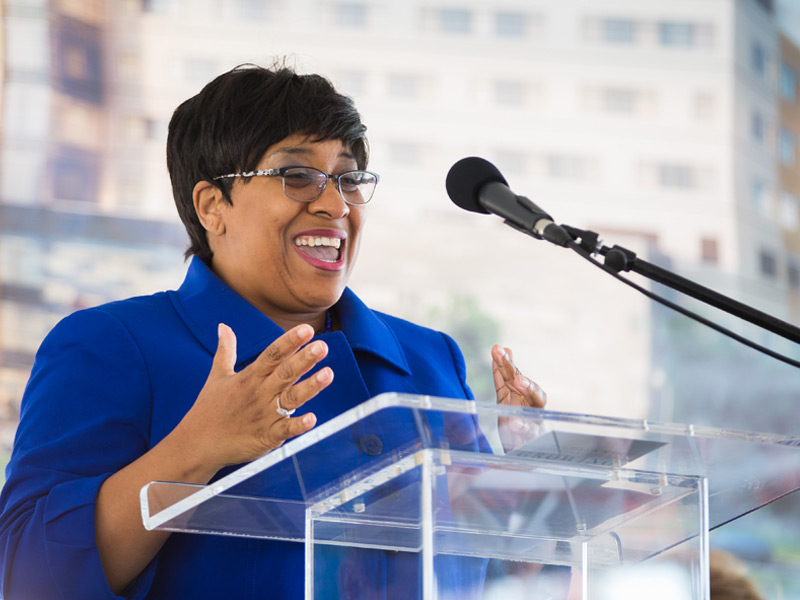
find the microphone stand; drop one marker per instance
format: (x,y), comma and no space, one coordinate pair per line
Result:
(619,259)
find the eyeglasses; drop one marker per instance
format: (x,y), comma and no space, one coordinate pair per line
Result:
(306,184)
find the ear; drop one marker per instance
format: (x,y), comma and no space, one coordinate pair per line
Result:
(208,201)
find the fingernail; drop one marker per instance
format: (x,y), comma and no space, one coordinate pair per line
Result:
(318,349)
(305,330)
(309,419)
(525,382)
(323,375)
(506,356)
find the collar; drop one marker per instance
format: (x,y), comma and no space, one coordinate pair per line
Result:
(367,332)
(204,300)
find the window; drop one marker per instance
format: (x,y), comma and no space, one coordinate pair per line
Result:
(793,273)
(199,70)
(404,86)
(619,31)
(404,153)
(767,5)
(789,211)
(709,251)
(758,58)
(251,9)
(759,197)
(676,176)
(788,83)
(351,82)
(78,62)
(767,263)
(158,6)
(757,127)
(676,34)
(511,161)
(351,14)
(787,146)
(156,129)
(619,101)
(75,175)
(569,167)
(510,93)
(511,24)
(455,21)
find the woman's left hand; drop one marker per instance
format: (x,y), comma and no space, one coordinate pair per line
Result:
(515,389)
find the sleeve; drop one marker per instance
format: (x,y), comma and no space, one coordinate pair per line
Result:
(85,414)
(474,429)
(460,365)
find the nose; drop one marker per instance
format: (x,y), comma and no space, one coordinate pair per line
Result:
(330,202)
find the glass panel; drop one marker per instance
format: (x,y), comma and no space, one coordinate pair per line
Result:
(418,501)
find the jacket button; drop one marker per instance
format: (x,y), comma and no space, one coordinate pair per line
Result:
(370,445)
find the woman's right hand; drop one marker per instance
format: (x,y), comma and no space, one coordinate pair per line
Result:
(235,418)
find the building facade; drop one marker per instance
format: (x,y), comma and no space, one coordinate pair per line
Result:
(656,124)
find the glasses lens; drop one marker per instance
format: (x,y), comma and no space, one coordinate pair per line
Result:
(303,184)
(357,187)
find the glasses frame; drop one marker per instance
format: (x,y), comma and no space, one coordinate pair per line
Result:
(282,172)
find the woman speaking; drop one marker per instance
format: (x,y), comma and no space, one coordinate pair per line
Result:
(261,341)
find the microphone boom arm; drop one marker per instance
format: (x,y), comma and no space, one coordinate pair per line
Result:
(619,259)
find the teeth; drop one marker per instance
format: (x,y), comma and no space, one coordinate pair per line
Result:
(307,240)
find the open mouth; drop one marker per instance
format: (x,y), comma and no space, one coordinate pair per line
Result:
(323,249)
(327,249)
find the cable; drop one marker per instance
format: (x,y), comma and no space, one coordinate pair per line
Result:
(686,312)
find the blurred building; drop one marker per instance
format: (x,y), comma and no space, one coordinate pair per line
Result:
(789,173)
(66,240)
(658,124)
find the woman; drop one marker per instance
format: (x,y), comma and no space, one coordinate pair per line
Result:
(269,176)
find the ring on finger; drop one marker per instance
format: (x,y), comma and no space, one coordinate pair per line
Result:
(282,411)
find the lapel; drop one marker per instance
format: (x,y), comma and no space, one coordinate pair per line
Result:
(204,300)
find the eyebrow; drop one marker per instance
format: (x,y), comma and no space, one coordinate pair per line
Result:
(305,151)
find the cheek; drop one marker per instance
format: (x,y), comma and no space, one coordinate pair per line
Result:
(356,227)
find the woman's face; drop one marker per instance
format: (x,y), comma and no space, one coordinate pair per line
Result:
(266,246)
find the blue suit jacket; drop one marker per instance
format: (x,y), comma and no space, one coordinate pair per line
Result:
(110,382)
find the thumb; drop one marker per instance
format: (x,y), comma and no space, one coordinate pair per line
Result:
(225,357)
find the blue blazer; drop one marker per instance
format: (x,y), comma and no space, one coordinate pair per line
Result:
(110,382)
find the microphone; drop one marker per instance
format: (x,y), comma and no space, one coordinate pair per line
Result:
(477,185)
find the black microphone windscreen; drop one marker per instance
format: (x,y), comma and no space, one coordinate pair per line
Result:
(466,178)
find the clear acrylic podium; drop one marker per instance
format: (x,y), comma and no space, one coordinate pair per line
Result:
(413,497)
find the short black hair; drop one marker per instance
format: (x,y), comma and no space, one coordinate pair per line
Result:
(231,123)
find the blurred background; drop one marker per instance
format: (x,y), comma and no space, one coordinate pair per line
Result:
(670,127)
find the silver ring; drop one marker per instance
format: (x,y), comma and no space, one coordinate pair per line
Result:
(282,411)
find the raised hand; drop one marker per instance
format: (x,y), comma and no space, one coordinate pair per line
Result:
(515,389)
(237,414)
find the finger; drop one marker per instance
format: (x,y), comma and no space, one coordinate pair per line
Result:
(500,366)
(288,372)
(225,356)
(295,396)
(506,364)
(285,346)
(531,392)
(290,427)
